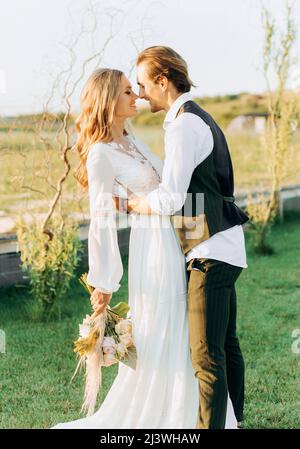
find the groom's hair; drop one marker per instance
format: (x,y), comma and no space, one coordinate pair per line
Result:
(165,61)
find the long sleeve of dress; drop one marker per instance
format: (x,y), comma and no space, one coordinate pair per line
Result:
(105,263)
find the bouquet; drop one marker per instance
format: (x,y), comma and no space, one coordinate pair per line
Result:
(103,340)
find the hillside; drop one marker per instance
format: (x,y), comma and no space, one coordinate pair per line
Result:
(223,109)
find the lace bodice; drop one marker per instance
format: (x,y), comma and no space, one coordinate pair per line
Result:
(135,167)
(111,170)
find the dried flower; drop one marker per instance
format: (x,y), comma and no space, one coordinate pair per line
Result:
(84,330)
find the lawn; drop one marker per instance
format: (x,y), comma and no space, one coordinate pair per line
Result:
(35,371)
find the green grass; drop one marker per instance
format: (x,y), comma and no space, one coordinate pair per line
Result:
(250,162)
(39,362)
(35,371)
(269,304)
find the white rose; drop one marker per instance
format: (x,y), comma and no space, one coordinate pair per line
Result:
(121,349)
(109,359)
(108,341)
(109,345)
(84,330)
(123,327)
(109,349)
(126,340)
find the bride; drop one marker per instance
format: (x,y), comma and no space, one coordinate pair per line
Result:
(162,393)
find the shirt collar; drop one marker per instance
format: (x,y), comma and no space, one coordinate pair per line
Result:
(172,112)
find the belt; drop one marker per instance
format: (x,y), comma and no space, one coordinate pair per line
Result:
(229,199)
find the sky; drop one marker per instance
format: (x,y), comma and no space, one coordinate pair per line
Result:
(221,40)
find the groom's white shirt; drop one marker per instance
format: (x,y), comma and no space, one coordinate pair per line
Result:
(188,141)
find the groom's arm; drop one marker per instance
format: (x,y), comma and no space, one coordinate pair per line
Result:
(183,145)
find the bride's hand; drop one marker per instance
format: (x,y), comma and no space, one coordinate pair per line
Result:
(99,301)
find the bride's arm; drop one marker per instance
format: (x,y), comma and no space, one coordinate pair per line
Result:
(105,263)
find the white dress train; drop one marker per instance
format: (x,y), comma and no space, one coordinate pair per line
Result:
(162,393)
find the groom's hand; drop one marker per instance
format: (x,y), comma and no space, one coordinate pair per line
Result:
(139,205)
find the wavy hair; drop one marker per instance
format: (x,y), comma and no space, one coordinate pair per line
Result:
(94,123)
(165,61)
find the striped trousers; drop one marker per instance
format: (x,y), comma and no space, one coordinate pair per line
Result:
(214,346)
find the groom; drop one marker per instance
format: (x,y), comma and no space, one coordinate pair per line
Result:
(197,190)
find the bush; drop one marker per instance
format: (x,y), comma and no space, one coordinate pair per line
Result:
(50,264)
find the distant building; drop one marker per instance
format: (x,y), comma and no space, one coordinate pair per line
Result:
(253,122)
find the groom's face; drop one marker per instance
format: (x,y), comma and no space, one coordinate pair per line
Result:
(150,91)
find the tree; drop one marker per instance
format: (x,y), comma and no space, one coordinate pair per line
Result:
(283,116)
(50,247)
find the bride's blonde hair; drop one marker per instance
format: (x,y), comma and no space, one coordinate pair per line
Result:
(94,123)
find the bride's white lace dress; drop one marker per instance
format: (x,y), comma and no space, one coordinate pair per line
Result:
(162,393)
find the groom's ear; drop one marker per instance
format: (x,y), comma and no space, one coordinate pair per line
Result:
(163,81)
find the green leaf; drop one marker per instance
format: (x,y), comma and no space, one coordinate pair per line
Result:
(121,309)
(131,358)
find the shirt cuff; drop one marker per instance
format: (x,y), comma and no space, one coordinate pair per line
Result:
(153,201)
(164,203)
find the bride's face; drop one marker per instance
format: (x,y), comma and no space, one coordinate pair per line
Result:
(155,93)
(125,106)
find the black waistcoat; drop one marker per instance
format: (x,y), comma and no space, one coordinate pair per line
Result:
(214,178)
